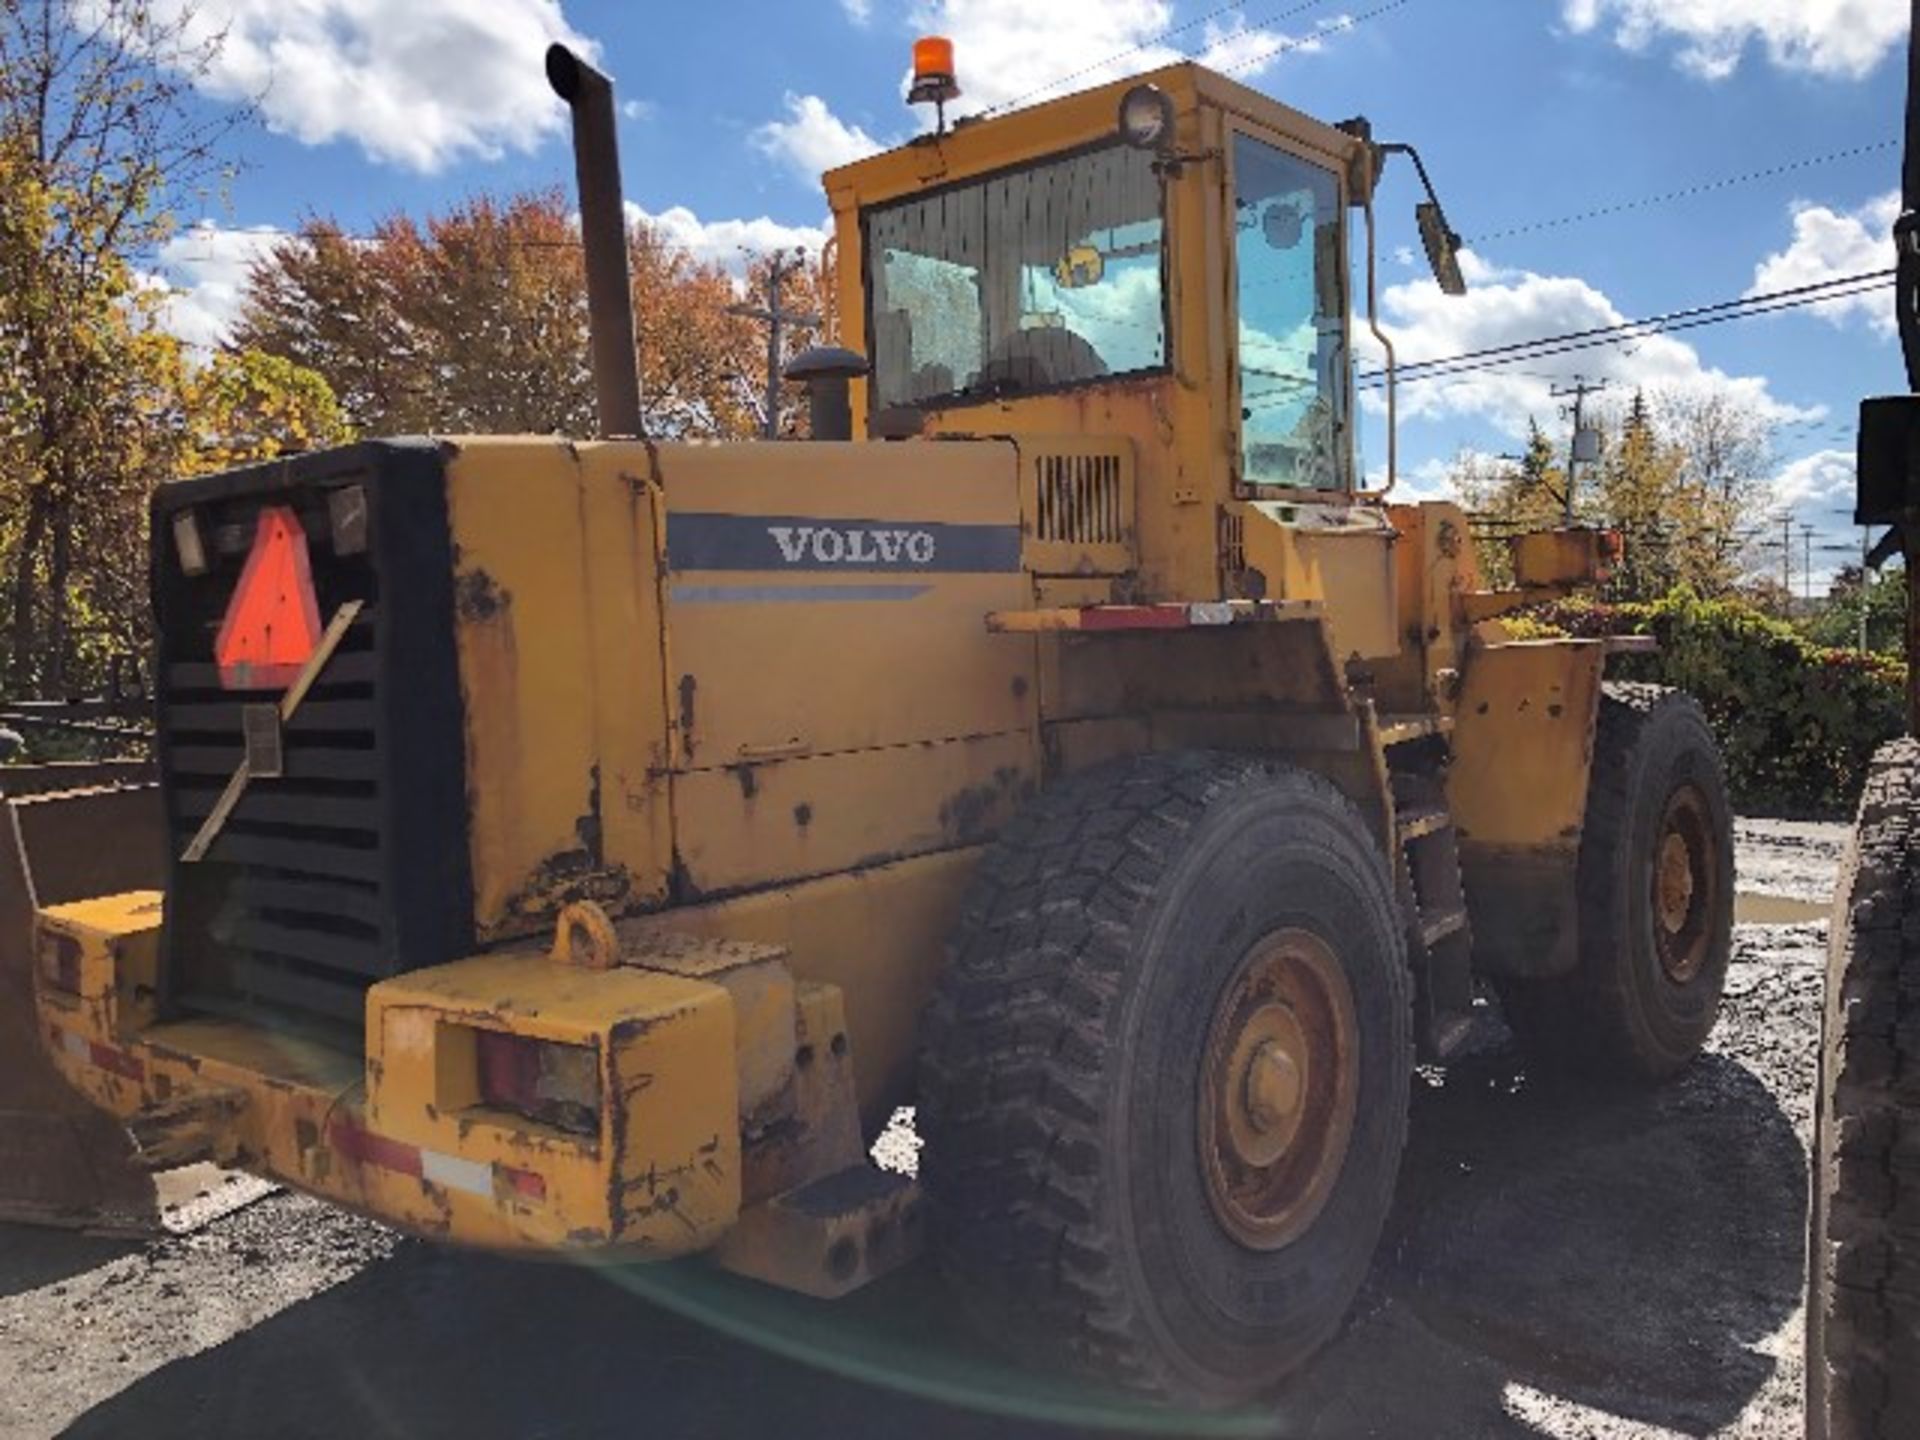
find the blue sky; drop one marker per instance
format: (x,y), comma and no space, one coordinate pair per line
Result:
(1526,111)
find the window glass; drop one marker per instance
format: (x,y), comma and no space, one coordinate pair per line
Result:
(1024,281)
(1292,307)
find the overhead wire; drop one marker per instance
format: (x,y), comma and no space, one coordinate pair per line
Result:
(1685,192)
(1627,332)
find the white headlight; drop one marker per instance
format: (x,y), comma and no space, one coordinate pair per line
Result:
(1146,118)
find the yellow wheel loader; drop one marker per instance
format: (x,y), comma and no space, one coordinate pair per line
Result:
(584,846)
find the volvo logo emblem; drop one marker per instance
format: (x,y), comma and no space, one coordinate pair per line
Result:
(825,545)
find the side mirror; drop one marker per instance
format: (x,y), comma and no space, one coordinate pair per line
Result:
(1442,246)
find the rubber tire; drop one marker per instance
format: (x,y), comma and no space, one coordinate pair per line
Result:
(1863,1246)
(1620,1016)
(1060,1073)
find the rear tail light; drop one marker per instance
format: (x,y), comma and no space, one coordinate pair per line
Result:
(548,1082)
(58,957)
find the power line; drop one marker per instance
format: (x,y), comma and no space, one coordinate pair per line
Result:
(1253,25)
(1702,187)
(1544,347)
(1289,43)
(1018,100)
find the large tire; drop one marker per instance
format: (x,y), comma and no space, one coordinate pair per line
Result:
(1863,1250)
(1080,1155)
(1655,894)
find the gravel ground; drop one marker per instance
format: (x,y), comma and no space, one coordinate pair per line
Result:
(1558,1264)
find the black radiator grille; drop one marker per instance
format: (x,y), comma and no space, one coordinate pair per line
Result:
(308,895)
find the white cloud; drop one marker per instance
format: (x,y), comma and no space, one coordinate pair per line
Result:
(812,139)
(731,243)
(204,270)
(1818,490)
(1828,244)
(416,85)
(1503,307)
(1016,50)
(1842,39)
(638,109)
(1823,480)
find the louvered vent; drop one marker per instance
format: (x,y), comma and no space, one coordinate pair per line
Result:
(1080,499)
(1233,542)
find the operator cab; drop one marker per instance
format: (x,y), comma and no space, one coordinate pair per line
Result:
(1167,258)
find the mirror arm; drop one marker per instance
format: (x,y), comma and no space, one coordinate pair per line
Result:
(1373,324)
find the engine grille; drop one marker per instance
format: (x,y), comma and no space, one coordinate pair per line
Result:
(350,865)
(1080,500)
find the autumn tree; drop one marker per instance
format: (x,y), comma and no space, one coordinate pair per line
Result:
(1680,476)
(1510,496)
(475,320)
(99,132)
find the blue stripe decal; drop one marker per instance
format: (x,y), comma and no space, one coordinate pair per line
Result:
(699,541)
(791,594)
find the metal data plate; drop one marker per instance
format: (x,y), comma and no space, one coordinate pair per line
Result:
(260,727)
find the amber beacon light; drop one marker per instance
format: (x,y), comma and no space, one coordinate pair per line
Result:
(934,79)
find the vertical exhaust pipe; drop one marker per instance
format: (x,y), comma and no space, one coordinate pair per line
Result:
(603,231)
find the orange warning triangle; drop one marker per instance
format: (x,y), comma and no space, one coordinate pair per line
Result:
(273,621)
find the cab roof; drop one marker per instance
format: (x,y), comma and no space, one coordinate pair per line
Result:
(980,146)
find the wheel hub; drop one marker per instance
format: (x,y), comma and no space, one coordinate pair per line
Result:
(1685,885)
(1278,1089)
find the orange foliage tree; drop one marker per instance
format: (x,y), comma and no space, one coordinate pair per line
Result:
(475,321)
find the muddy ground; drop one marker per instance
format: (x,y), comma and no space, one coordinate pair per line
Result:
(1558,1265)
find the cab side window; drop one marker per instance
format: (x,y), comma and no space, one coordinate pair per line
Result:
(1292,304)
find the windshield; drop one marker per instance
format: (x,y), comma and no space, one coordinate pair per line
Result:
(1024,281)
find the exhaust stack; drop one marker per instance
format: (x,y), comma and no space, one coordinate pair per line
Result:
(603,231)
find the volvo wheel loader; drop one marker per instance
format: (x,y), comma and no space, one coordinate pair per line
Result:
(583,846)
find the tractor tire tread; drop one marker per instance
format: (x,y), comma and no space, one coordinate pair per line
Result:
(1863,1320)
(1014,1058)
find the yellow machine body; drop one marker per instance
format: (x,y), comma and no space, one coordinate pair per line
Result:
(736,722)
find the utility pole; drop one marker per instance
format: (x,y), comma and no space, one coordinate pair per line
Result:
(1786,559)
(779,267)
(1579,390)
(1806,572)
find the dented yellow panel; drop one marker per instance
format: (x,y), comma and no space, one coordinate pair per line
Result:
(824,598)
(557,619)
(752,826)
(1523,743)
(880,935)
(1339,555)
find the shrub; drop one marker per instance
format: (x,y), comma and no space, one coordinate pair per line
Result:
(1798,722)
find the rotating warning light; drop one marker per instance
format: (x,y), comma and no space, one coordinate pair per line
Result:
(272,625)
(934,78)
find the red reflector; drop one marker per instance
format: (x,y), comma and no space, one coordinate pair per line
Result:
(370,1149)
(116,1062)
(272,625)
(525,1184)
(555,1084)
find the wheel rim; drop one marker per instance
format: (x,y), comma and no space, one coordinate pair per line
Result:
(1280,1077)
(1685,885)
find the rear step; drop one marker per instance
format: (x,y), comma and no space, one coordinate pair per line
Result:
(1439,930)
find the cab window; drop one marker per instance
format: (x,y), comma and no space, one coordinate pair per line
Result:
(1292,308)
(1025,281)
